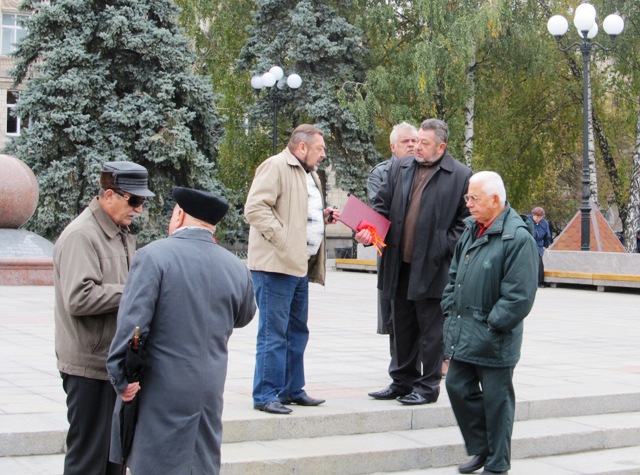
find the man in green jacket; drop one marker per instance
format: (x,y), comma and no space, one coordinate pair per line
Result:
(492,286)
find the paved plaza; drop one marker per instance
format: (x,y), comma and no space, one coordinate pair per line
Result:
(577,342)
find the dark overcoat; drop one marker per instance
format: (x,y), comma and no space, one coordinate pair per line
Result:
(439,225)
(186,293)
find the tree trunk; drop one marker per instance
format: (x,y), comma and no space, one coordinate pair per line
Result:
(593,175)
(470,112)
(632,224)
(611,168)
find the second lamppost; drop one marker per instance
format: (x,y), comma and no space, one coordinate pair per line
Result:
(274,78)
(585,22)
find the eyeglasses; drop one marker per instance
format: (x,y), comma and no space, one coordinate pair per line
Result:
(134,201)
(472,198)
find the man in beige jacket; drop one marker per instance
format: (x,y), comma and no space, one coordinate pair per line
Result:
(286,251)
(91,262)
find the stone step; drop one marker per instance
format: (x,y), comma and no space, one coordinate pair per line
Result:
(45,433)
(424,448)
(535,443)
(624,461)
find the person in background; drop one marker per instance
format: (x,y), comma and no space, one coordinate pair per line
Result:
(542,235)
(287,217)
(91,261)
(402,140)
(186,294)
(423,199)
(491,289)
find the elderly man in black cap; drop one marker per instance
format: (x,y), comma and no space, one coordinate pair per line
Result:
(186,294)
(91,264)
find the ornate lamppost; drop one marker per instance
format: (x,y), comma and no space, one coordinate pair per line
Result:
(274,78)
(585,22)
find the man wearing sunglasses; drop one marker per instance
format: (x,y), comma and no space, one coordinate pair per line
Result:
(91,263)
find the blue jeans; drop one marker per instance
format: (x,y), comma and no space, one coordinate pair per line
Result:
(283,303)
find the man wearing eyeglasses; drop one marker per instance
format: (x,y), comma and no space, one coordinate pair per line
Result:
(491,289)
(91,263)
(423,199)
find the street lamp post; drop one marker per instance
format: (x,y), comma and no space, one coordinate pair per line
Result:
(274,78)
(585,22)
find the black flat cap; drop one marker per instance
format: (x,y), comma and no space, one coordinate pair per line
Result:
(125,176)
(200,204)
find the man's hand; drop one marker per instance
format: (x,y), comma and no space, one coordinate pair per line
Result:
(364,237)
(331,215)
(130,392)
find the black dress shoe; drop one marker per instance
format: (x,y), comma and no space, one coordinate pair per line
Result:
(303,401)
(414,399)
(274,407)
(476,463)
(489,472)
(386,393)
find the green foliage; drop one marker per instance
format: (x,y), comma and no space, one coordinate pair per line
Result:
(111,82)
(366,65)
(314,39)
(218,29)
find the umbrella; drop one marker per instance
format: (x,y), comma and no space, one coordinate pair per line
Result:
(134,367)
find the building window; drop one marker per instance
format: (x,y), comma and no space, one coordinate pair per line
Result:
(14,124)
(12,31)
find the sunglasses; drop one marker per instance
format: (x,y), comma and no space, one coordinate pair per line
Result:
(134,201)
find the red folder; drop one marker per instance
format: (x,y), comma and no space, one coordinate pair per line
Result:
(355,211)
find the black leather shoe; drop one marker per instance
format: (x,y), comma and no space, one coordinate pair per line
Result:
(386,393)
(274,407)
(304,401)
(476,463)
(489,472)
(414,399)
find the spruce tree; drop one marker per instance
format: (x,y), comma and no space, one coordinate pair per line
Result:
(106,81)
(313,39)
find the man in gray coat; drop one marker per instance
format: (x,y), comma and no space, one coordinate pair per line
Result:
(423,199)
(186,294)
(402,141)
(91,263)
(491,289)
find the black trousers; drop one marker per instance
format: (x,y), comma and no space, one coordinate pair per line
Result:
(418,341)
(540,272)
(90,405)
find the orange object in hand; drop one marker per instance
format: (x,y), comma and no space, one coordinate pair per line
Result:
(377,242)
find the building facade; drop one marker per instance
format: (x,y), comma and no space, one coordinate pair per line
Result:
(12,31)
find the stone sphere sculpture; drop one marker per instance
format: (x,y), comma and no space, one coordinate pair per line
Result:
(18,192)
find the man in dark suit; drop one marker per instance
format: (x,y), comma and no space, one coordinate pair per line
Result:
(423,199)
